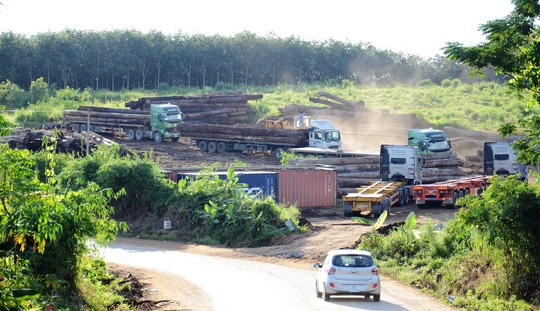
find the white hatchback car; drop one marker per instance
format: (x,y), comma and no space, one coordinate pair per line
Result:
(348,272)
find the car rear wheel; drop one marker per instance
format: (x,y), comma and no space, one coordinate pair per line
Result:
(324,294)
(317,290)
(377,297)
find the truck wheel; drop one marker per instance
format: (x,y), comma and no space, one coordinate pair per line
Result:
(158,137)
(203,145)
(131,134)
(139,134)
(83,127)
(278,153)
(221,147)
(388,206)
(400,198)
(212,147)
(455,196)
(76,128)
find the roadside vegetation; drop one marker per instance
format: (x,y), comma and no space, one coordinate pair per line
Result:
(53,204)
(486,258)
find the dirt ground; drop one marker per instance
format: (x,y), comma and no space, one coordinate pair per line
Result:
(329,229)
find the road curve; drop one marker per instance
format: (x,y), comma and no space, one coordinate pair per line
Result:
(234,284)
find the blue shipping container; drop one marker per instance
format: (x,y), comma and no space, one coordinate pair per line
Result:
(258,182)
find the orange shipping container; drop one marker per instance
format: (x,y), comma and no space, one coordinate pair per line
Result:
(308,187)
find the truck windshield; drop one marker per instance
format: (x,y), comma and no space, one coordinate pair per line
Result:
(434,145)
(332,136)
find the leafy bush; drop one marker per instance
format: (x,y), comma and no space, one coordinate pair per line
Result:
(215,209)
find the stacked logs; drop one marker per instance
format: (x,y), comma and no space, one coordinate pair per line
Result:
(246,132)
(360,171)
(222,108)
(108,115)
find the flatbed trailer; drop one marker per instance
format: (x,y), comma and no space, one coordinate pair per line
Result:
(376,198)
(446,193)
(400,168)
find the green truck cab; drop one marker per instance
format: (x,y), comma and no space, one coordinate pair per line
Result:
(165,120)
(429,140)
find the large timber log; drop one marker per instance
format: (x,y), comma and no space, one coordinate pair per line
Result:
(105,115)
(111,110)
(336,161)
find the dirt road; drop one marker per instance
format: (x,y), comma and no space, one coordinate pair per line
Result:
(330,231)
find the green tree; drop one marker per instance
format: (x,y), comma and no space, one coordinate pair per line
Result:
(11,95)
(41,226)
(512,49)
(39,91)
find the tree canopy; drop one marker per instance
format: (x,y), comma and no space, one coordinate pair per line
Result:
(127,59)
(512,49)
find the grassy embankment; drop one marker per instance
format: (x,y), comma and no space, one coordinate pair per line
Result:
(482,106)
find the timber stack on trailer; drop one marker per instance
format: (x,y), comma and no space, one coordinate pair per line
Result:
(77,119)
(243,137)
(355,172)
(160,122)
(222,108)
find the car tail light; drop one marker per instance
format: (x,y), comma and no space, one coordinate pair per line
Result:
(331,271)
(375,271)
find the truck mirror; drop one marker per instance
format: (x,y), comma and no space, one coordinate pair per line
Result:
(449,144)
(422,145)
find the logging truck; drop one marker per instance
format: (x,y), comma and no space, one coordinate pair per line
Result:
(317,134)
(446,193)
(400,168)
(501,159)
(160,122)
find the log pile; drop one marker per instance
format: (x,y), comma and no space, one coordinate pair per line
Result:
(108,115)
(360,171)
(74,143)
(222,108)
(245,133)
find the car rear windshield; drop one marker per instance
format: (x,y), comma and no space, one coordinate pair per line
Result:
(352,260)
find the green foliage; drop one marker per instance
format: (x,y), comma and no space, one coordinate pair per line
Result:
(42,227)
(11,95)
(39,91)
(509,208)
(486,258)
(217,210)
(425,82)
(512,49)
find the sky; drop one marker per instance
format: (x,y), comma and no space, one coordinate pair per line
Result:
(419,27)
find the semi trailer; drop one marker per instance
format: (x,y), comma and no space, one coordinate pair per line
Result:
(314,135)
(400,168)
